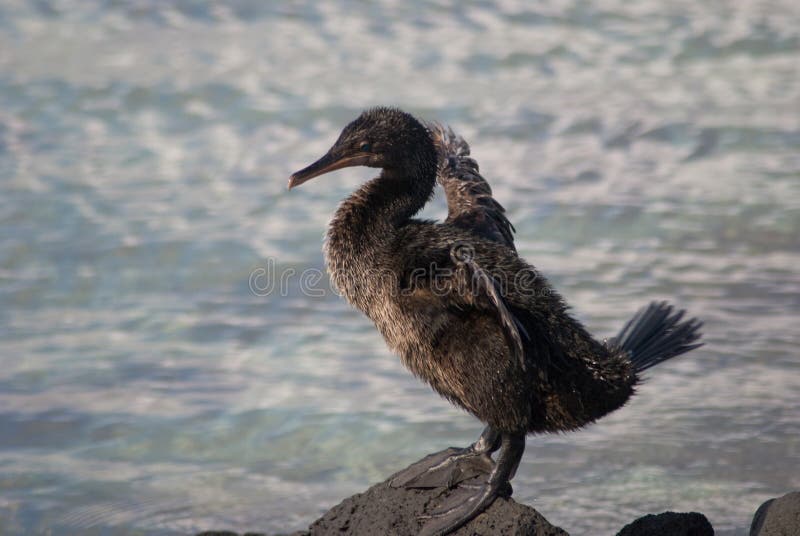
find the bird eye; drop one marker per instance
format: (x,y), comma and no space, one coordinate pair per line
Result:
(365,146)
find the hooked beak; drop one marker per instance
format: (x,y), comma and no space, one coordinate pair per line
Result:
(326,164)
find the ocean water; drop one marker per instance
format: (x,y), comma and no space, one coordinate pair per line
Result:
(171,356)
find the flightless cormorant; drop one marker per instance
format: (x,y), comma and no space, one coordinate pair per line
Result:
(466,314)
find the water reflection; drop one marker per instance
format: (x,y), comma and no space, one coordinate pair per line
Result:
(643,151)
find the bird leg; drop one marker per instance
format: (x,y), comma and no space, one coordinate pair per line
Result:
(449,467)
(466,502)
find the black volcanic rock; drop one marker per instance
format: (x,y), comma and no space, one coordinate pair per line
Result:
(383,509)
(669,524)
(778,517)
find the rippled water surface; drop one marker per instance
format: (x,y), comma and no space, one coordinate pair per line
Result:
(644,150)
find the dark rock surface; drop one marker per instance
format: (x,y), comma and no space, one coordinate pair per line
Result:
(386,510)
(778,517)
(669,524)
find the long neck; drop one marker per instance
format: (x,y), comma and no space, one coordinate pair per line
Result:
(390,200)
(362,231)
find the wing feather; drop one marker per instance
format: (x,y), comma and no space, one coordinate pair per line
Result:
(485,286)
(470,204)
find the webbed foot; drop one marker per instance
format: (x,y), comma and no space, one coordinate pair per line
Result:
(451,466)
(469,500)
(444,469)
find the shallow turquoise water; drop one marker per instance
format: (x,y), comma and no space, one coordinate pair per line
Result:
(643,151)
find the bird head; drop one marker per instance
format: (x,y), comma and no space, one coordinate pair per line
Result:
(381,137)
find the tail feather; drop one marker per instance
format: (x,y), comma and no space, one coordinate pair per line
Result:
(656,334)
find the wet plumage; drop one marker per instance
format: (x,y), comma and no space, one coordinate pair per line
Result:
(464,312)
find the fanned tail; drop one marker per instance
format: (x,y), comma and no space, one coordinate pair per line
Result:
(656,334)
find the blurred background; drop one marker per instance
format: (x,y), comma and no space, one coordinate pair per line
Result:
(644,150)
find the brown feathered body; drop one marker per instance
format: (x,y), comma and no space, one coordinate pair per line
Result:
(402,274)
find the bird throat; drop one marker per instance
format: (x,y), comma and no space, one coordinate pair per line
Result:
(360,236)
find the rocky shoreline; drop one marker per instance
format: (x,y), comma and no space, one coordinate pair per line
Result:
(384,510)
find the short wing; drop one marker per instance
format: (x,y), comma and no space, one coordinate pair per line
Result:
(470,204)
(484,286)
(457,277)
